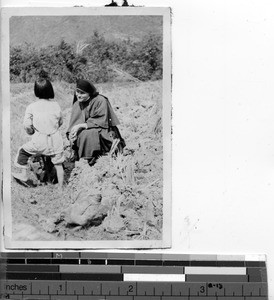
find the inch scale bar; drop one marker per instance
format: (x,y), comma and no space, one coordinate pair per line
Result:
(130,290)
(110,276)
(128,298)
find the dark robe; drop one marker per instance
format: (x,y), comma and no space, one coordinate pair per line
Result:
(101,120)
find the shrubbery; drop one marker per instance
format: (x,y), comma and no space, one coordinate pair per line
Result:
(97,59)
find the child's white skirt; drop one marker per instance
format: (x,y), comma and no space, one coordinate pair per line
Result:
(45,144)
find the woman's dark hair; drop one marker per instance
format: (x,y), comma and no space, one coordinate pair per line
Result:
(43,89)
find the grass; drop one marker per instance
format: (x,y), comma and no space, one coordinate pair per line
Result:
(130,184)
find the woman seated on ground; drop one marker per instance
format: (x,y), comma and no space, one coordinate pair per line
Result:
(92,129)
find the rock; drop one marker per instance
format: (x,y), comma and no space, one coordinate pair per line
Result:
(48,224)
(109,195)
(32,201)
(150,213)
(113,223)
(134,221)
(59,217)
(86,210)
(27,232)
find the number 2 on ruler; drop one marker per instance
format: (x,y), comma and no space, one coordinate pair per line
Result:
(130,289)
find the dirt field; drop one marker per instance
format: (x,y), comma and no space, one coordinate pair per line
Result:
(119,198)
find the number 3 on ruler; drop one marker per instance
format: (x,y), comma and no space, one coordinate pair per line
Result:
(202,289)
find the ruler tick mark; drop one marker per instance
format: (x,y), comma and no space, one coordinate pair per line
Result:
(131,290)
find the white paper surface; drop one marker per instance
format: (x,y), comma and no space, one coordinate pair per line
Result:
(223,118)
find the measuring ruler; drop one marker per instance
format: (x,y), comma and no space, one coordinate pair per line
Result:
(131,276)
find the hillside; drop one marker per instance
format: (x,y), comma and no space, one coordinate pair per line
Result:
(120,197)
(42,31)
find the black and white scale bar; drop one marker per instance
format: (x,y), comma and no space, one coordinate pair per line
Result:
(48,261)
(138,259)
(74,297)
(58,272)
(99,288)
(129,277)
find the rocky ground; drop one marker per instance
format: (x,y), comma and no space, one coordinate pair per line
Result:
(120,197)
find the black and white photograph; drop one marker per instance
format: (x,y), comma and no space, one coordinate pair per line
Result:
(86,144)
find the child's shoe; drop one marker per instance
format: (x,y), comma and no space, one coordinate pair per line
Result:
(20,176)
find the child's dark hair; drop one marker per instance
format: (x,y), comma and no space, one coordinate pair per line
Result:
(43,89)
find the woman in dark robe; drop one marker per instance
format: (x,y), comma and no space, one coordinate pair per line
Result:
(93,123)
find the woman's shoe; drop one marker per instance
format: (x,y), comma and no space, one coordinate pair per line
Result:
(92,161)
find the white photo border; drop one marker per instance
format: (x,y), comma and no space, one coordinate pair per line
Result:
(6,232)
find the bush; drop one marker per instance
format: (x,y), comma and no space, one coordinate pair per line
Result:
(97,59)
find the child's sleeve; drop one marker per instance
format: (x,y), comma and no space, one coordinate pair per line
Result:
(28,121)
(61,120)
(28,118)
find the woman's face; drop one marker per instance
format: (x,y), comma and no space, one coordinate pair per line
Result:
(82,96)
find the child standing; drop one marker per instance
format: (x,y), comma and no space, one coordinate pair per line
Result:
(42,120)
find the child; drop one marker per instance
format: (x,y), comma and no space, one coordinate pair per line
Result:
(42,120)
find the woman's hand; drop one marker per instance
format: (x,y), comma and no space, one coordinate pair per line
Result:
(75,129)
(30,130)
